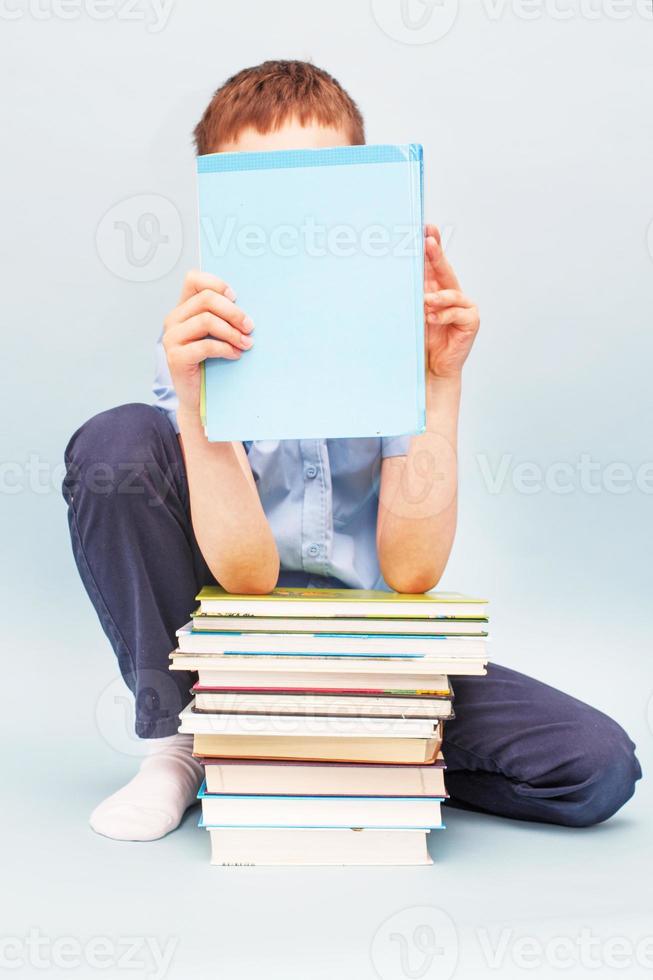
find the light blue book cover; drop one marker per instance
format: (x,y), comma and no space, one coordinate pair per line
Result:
(324,249)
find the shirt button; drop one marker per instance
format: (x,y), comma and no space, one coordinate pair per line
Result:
(314,549)
(311,472)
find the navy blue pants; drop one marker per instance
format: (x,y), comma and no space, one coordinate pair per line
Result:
(517,747)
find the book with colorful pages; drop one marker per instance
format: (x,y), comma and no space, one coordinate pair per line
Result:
(362,603)
(440,625)
(329,644)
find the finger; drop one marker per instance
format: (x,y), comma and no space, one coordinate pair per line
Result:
(208,301)
(438,266)
(196,280)
(200,350)
(207,324)
(432,231)
(464,317)
(446,297)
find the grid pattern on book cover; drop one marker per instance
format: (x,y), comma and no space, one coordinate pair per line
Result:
(335,156)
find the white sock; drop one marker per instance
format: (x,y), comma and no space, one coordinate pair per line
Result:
(154,801)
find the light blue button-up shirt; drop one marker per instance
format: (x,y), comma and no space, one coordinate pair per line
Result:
(320,497)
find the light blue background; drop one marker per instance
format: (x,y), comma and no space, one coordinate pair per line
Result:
(538,137)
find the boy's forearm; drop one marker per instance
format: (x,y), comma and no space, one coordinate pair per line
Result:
(418,497)
(228,520)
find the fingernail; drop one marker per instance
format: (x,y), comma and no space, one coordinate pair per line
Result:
(230,294)
(246,341)
(248,323)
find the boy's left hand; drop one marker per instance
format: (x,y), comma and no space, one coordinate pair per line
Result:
(451,319)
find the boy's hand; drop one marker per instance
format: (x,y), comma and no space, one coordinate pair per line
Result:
(451,319)
(205,323)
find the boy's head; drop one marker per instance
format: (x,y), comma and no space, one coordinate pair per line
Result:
(279,105)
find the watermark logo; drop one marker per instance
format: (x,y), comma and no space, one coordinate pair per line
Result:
(567,10)
(33,475)
(118,711)
(561,477)
(418,943)
(37,951)
(115,720)
(140,239)
(154,14)
(309,238)
(426,21)
(415,21)
(586,950)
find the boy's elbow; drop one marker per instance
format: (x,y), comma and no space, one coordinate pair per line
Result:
(253,582)
(412,584)
(410,579)
(256,578)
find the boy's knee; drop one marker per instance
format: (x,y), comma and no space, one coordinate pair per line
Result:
(606,773)
(113,447)
(126,433)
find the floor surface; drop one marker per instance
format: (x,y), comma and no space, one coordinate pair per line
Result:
(501,899)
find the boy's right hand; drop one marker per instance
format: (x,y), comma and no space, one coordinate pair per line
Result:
(205,323)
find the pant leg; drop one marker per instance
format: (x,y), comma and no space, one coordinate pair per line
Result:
(519,748)
(133,542)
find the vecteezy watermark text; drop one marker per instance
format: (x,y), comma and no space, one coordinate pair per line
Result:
(584,475)
(40,951)
(422,942)
(153,13)
(502,474)
(41,477)
(584,949)
(313,239)
(426,21)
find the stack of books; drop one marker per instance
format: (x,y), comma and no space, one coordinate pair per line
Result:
(318,715)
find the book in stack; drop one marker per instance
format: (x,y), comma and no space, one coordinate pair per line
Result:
(318,715)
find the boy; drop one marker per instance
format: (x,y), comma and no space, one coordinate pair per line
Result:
(177,512)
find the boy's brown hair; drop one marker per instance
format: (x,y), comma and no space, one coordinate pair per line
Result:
(266,96)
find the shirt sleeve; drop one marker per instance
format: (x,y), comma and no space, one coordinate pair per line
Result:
(395,446)
(163,390)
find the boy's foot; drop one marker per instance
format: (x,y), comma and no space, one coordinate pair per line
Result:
(154,801)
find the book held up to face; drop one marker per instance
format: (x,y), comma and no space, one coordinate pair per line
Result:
(324,249)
